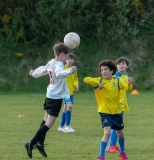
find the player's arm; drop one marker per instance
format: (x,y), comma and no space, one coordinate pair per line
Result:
(94,82)
(40,71)
(130,80)
(76,82)
(130,86)
(61,72)
(31,72)
(126,87)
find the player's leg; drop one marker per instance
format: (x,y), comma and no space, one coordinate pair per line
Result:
(44,119)
(106,124)
(53,107)
(63,120)
(68,127)
(30,144)
(39,134)
(113,138)
(42,139)
(42,133)
(40,145)
(69,103)
(121,141)
(103,143)
(112,148)
(118,122)
(112,145)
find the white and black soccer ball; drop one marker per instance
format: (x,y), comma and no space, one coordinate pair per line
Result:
(72,40)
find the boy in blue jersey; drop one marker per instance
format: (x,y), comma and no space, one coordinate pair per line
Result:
(122,65)
(107,90)
(73,86)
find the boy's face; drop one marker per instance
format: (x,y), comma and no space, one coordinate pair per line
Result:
(64,57)
(69,61)
(106,72)
(122,67)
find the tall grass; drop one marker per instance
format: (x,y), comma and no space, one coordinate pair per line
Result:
(84,143)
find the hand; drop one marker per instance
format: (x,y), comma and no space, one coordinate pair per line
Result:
(76,89)
(130,80)
(31,72)
(100,86)
(74,68)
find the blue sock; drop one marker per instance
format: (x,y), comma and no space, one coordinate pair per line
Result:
(63,119)
(113,138)
(68,117)
(102,149)
(122,145)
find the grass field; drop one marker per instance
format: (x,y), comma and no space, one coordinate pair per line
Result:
(84,143)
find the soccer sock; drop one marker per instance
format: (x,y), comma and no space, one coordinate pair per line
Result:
(102,149)
(42,138)
(63,119)
(42,123)
(68,117)
(122,145)
(41,132)
(113,138)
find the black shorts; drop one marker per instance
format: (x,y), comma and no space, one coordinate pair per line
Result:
(53,106)
(115,121)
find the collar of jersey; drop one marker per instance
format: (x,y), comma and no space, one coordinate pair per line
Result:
(119,74)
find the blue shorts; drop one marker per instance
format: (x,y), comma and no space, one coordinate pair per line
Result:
(71,99)
(115,121)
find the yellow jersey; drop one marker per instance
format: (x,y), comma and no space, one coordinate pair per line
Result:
(72,81)
(107,98)
(123,99)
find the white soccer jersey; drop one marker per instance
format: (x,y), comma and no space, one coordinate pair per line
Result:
(57,89)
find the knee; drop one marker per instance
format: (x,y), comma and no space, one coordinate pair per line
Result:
(50,124)
(107,135)
(120,134)
(69,107)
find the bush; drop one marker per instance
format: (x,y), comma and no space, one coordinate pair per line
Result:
(107,29)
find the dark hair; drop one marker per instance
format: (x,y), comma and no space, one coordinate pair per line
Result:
(72,56)
(61,48)
(119,60)
(110,64)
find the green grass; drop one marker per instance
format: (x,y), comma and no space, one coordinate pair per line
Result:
(84,143)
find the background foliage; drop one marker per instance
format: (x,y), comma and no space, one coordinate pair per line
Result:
(108,29)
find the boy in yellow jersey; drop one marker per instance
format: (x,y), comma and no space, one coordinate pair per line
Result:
(122,65)
(107,90)
(72,82)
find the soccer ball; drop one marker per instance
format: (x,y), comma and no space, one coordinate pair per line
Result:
(72,40)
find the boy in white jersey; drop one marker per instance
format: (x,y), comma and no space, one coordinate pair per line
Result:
(56,91)
(72,82)
(107,96)
(122,65)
